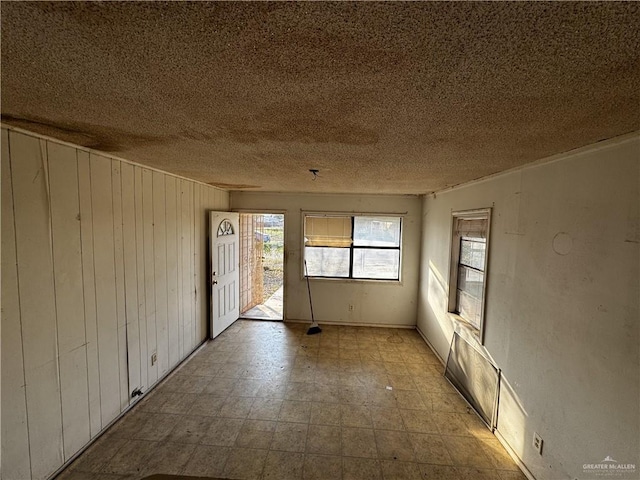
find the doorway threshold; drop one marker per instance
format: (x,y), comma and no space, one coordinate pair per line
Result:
(269,310)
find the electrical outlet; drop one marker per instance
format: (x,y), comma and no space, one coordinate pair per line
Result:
(537,442)
(154,359)
(351,308)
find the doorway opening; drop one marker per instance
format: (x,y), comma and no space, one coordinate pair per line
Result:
(262,266)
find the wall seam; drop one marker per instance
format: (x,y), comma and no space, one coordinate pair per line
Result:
(93,244)
(15,240)
(55,292)
(84,304)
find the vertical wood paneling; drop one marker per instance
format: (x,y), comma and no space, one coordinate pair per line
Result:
(140,270)
(116,188)
(67,265)
(130,275)
(202,271)
(187,275)
(160,265)
(105,278)
(172,271)
(37,302)
(179,257)
(197,207)
(15,435)
(89,292)
(111,267)
(149,274)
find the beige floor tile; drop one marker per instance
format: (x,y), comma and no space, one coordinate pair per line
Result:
(401,382)
(396,470)
(96,457)
(327,393)
(272,390)
(179,383)
(220,386)
(355,416)
(386,418)
(477,474)
(391,356)
(322,467)
(207,461)
(361,469)
(300,391)
(410,399)
(449,402)
(354,395)
(222,432)
(496,453)
(170,402)
(431,383)
(267,388)
(325,414)
(169,458)
(511,475)
(453,423)
(236,407)
(382,397)
(246,388)
(295,411)
(245,463)
(231,370)
(439,472)
(265,409)
(467,452)
(290,437)
(430,448)
(283,466)
(358,442)
(157,427)
(190,429)
(77,475)
(418,421)
(394,445)
(324,439)
(256,434)
(374,366)
(131,458)
(207,405)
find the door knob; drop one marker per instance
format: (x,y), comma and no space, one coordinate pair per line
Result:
(214,282)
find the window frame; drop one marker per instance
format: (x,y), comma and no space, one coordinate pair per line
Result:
(352,246)
(454,266)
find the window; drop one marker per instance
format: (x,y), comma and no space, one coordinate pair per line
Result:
(469,242)
(356,247)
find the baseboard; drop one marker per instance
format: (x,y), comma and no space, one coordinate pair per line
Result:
(125,411)
(429,345)
(514,456)
(352,324)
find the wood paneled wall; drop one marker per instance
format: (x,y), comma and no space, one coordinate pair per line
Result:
(103,264)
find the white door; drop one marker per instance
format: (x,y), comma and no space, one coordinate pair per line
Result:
(225,271)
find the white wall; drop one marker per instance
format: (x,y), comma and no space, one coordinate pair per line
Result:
(562,316)
(101,261)
(375,303)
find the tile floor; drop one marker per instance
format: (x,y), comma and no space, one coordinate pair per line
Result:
(266,401)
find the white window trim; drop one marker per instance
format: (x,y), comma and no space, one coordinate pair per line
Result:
(346,280)
(454,242)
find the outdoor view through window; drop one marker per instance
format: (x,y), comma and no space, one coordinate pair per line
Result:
(357,247)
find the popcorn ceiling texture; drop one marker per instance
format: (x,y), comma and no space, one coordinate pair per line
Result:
(380,97)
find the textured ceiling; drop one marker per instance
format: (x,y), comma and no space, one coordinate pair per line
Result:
(380,97)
